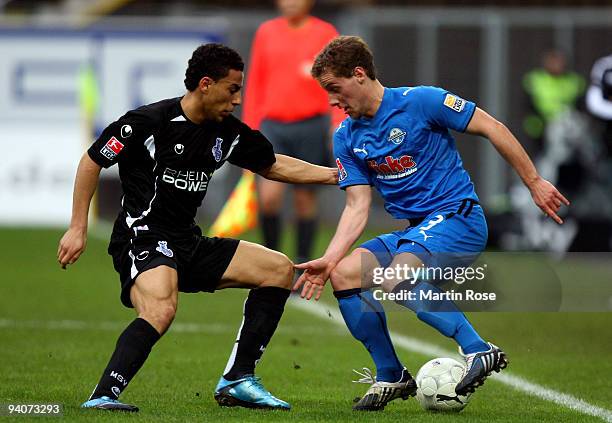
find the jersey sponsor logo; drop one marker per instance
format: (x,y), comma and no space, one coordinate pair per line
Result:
(112,147)
(187,180)
(392,168)
(126,131)
(342,174)
(163,248)
(396,136)
(216,150)
(453,102)
(179,148)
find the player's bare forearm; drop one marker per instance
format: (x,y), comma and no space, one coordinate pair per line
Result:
(85,184)
(544,194)
(506,144)
(294,171)
(73,243)
(351,224)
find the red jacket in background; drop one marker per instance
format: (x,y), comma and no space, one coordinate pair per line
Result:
(279,85)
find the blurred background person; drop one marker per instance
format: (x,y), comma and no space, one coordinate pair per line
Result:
(551,89)
(571,156)
(599,98)
(288,106)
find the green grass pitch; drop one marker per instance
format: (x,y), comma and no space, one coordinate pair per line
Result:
(58,329)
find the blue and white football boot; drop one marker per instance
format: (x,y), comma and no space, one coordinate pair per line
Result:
(479,366)
(247,392)
(107,403)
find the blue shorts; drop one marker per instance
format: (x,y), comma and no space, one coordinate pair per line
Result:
(451,236)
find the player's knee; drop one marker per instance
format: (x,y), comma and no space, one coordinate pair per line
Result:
(281,273)
(161,315)
(167,313)
(389,285)
(345,276)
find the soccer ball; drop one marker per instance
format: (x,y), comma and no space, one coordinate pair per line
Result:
(436,382)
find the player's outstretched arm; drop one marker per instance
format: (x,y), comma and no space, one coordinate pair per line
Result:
(544,194)
(351,225)
(73,243)
(295,171)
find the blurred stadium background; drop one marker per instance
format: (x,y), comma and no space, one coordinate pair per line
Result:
(69,67)
(67,64)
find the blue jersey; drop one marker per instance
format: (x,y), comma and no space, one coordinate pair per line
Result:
(406,151)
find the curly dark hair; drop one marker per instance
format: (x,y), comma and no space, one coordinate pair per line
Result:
(212,60)
(342,55)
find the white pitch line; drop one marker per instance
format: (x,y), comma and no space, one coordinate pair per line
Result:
(104,325)
(101,231)
(117,326)
(415,345)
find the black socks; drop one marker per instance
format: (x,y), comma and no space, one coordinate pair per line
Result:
(262,312)
(306,231)
(270,226)
(133,348)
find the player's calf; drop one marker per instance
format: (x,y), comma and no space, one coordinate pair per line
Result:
(239,386)
(132,349)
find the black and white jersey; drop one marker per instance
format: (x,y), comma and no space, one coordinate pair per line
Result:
(166,161)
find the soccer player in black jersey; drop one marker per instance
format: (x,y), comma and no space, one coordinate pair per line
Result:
(167,153)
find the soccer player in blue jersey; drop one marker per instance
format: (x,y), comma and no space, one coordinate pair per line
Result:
(398,140)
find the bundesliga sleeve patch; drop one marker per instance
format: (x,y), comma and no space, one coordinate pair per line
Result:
(453,102)
(112,147)
(342,174)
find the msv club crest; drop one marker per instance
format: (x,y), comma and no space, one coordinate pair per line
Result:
(163,248)
(216,150)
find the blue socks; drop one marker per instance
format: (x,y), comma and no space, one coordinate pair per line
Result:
(444,316)
(365,318)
